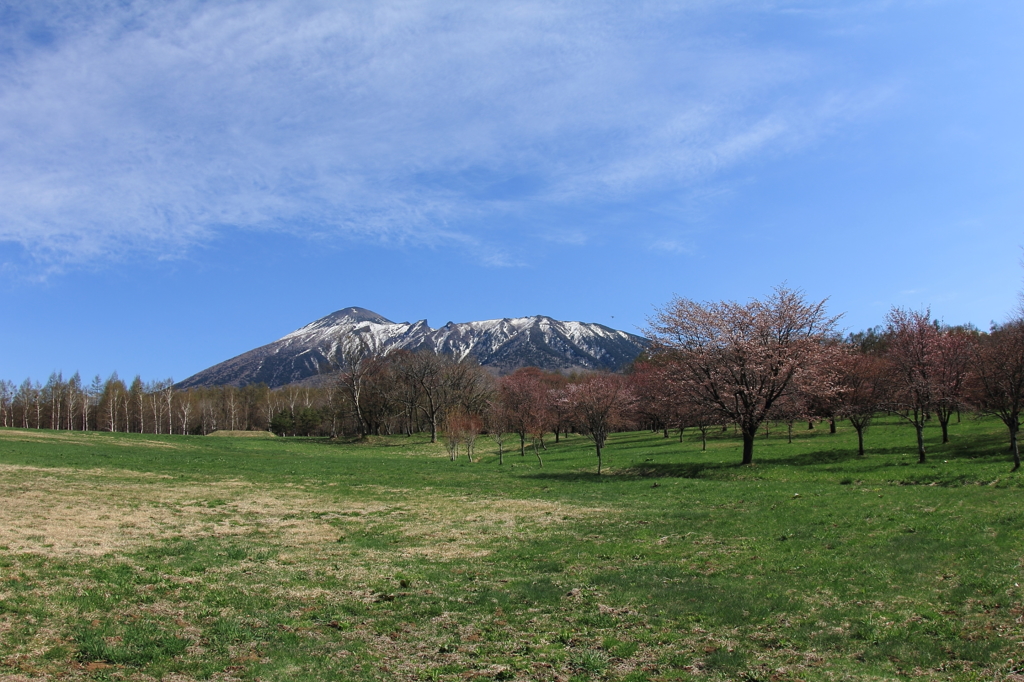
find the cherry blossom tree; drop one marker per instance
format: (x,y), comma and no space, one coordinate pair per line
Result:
(699,415)
(951,360)
(658,402)
(998,364)
(913,340)
(598,404)
(789,408)
(863,390)
(525,398)
(740,359)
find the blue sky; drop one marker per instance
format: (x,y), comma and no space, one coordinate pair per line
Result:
(183,181)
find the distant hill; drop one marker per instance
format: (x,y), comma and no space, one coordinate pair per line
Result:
(503,345)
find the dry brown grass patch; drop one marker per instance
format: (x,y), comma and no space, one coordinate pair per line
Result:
(242,434)
(63,512)
(80,438)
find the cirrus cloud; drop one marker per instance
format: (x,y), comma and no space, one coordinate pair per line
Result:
(151,127)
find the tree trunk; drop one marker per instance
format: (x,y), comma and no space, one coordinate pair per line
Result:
(536,451)
(522,444)
(748,445)
(920,442)
(810,425)
(1017,455)
(598,459)
(831,424)
(860,439)
(1014,427)
(944,423)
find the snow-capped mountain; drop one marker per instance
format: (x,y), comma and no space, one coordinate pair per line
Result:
(503,345)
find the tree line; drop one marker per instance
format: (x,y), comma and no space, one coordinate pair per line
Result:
(776,361)
(782,360)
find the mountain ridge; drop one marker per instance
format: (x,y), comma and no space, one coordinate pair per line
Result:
(503,344)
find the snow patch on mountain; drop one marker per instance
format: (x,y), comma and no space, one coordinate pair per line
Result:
(504,344)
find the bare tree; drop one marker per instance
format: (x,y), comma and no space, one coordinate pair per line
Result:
(167,393)
(383,403)
(37,403)
(461,427)
(153,397)
(185,407)
(451,439)
(54,393)
(739,359)
(269,406)
(7,402)
(232,406)
(496,422)
(74,396)
(355,359)
(92,399)
(25,397)
(114,392)
(252,397)
(441,383)
(405,391)
(208,412)
(465,384)
(425,372)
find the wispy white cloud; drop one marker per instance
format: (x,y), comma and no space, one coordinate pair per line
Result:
(675,246)
(150,126)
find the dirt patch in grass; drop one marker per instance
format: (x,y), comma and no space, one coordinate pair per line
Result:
(243,434)
(64,512)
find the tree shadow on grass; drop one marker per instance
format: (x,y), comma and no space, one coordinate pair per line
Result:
(705,470)
(682,470)
(372,441)
(899,464)
(988,448)
(832,456)
(892,463)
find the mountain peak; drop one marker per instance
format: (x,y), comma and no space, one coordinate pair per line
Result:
(346,318)
(502,344)
(356,315)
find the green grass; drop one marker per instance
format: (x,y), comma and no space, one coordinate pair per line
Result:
(125,555)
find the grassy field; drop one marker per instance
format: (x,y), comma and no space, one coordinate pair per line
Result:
(144,557)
